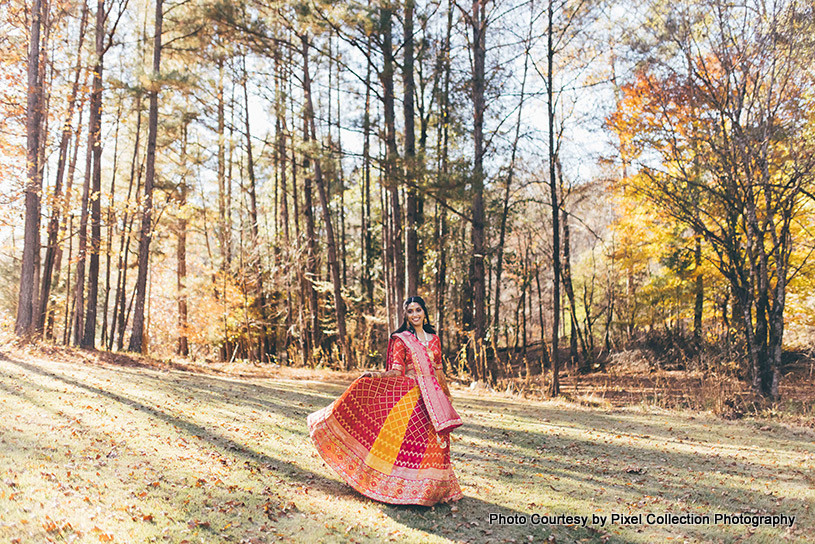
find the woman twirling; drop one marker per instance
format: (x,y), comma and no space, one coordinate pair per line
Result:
(388,435)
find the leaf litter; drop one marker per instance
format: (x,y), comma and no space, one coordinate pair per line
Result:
(98,452)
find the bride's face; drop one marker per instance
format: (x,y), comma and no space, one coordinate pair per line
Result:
(415,315)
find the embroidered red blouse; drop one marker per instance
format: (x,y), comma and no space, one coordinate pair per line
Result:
(398,353)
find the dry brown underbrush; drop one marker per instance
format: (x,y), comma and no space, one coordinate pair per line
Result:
(630,377)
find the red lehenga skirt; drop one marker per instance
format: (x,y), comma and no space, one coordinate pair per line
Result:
(378,436)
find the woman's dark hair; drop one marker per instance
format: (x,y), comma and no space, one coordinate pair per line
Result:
(406,326)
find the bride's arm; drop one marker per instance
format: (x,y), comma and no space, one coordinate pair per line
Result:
(395,363)
(384,374)
(442,381)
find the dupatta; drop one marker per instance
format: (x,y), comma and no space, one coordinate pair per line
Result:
(442,414)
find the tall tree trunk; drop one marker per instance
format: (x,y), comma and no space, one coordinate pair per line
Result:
(311,235)
(308,295)
(67,221)
(118,318)
(183,347)
(24,325)
(52,247)
(776,319)
(42,163)
(137,334)
(526,299)
(79,288)
(67,332)
(224,229)
(444,167)
(554,386)
(280,146)
(477,278)
(387,257)
(392,155)
(341,181)
(339,303)
(540,364)
(576,333)
(412,200)
(366,242)
(758,261)
(111,220)
(77,326)
(700,291)
(88,339)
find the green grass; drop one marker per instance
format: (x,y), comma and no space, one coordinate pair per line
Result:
(93,452)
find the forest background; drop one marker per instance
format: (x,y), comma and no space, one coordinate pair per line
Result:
(563,181)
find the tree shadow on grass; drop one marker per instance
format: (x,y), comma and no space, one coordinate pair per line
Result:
(470,521)
(473,519)
(578,464)
(226,388)
(284,467)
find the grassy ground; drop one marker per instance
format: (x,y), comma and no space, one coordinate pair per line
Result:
(93,450)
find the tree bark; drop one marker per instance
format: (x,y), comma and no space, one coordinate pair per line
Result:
(42,163)
(444,167)
(576,333)
(224,229)
(110,222)
(88,339)
(137,334)
(66,333)
(700,291)
(183,347)
(541,363)
(280,147)
(311,236)
(554,386)
(52,248)
(308,296)
(67,222)
(412,200)
(24,325)
(392,156)
(366,242)
(341,181)
(118,319)
(477,278)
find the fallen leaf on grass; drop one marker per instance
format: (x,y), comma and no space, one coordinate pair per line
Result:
(103,536)
(270,510)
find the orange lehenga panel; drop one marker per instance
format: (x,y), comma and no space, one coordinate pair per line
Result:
(380,437)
